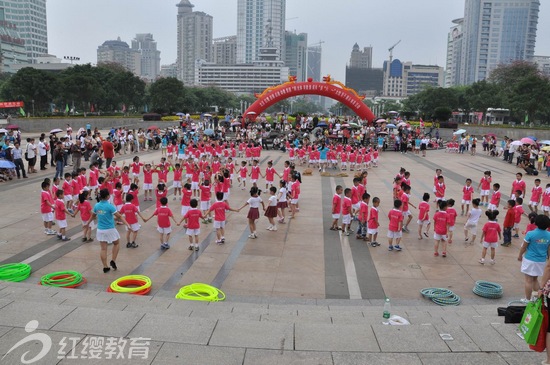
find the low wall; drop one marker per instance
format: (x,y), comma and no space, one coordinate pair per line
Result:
(36,125)
(500,132)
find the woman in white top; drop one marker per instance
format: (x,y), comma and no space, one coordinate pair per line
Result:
(31,155)
(254,212)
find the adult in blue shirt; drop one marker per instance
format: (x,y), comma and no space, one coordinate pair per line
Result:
(322,156)
(106,231)
(533,254)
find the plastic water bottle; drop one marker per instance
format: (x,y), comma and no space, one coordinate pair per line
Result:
(387,311)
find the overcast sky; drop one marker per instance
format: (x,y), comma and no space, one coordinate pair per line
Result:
(76,28)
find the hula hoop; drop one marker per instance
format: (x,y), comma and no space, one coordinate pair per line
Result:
(201,292)
(15,272)
(131,284)
(63,279)
(441,296)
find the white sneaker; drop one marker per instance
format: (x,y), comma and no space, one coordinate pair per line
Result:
(493,262)
(274,228)
(269,228)
(482,261)
(252,235)
(524,300)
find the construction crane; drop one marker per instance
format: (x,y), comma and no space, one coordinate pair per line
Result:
(391,50)
(388,68)
(316,44)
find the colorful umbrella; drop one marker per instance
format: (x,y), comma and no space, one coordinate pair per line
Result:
(152,127)
(460,131)
(56,130)
(545,142)
(527,140)
(12,126)
(209,132)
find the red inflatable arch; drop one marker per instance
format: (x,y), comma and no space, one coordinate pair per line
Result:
(332,89)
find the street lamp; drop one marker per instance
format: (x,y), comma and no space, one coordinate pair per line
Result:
(32,107)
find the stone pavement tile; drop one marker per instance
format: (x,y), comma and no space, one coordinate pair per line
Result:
(251,315)
(453,318)
(19,313)
(101,322)
(277,357)
(461,341)
(34,296)
(5,302)
(312,282)
(4,330)
(347,317)
(355,358)
(62,343)
(330,337)
(413,338)
(175,353)
(261,335)
(174,329)
(95,302)
(107,354)
(149,307)
(311,317)
(523,358)
(462,359)
(425,319)
(487,338)
(257,263)
(509,332)
(403,287)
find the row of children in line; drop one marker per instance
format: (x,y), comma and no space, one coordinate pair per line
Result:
(331,157)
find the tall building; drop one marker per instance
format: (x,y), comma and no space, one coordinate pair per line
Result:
(494,32)
(454,70)
(260,24)
(225,50)
(194,40)
(30,18)
(406,79)
(296,54)
(543,64)
(118,51)
(314,57)
(360,59)
(360,75)
(12,48)
(150,56)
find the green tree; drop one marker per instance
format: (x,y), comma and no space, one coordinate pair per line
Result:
(166,95)
(442,113)
(30,84)
(523,88)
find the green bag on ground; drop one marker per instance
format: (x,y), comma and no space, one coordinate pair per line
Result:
(531,322)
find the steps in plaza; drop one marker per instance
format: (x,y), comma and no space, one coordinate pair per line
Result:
(266,330)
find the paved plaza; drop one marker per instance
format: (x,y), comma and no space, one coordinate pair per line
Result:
(300,295)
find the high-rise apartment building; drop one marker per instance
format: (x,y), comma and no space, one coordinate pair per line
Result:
(194,40)
(296,54)
(150,56)
(493,32)
(225,50)
(30,18)
(360,59)
(260,24)
(170,70)
(118,51)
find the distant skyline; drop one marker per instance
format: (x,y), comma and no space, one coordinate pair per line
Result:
(77,28)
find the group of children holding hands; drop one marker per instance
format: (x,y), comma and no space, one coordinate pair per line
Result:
(354,205)
(193,182)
